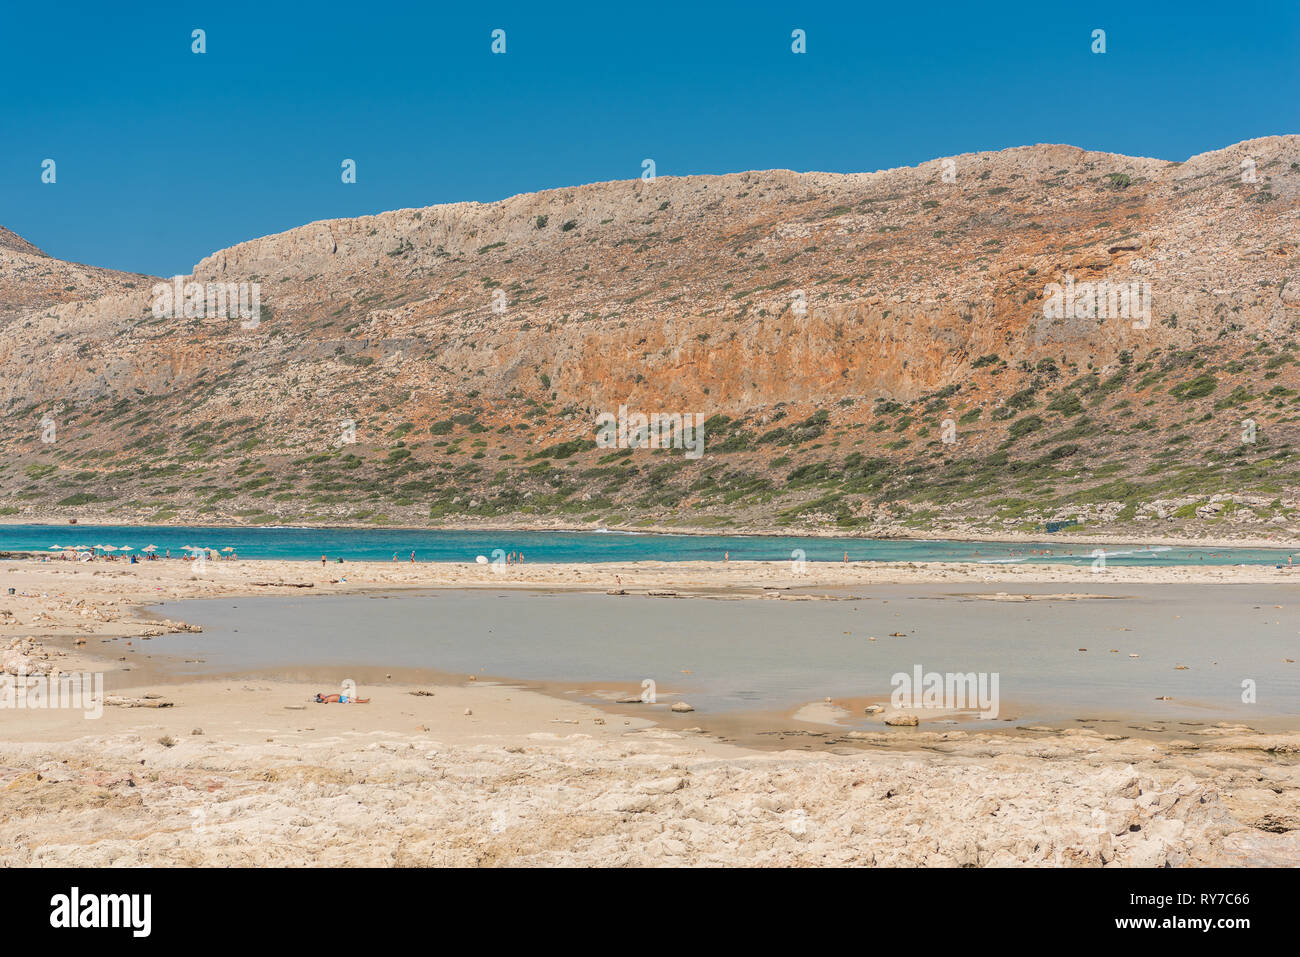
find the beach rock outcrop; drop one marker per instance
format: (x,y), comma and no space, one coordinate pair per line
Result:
(902,720)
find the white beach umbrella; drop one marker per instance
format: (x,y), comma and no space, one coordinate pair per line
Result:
(227,549)
(108,548)
(149,548)
(126,548)
(56,547)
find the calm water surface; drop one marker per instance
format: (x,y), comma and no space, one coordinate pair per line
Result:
(761,654)
(366,544)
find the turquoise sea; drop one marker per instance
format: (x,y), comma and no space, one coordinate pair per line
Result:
(378,544)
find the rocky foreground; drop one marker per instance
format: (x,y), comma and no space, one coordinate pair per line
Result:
(308,789)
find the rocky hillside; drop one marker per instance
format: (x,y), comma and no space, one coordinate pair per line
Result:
(907,351)
(32,282)
(15,243)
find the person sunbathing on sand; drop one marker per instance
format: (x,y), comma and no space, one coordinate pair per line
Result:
(340,698)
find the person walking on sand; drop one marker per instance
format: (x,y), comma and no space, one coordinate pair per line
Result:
(322,559)
(846,558)
(412,556)
(726,556)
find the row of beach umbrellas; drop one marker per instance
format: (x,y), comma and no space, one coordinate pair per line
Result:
(128,548)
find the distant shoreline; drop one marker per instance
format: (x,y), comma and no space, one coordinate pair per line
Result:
(1065,538)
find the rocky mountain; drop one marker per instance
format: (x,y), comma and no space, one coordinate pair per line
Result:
(980,343)
(32,281)
(15,243)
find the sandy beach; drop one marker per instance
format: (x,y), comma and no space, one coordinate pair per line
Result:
(243,770)
(180,579)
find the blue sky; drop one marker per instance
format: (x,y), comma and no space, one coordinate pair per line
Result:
(164,156)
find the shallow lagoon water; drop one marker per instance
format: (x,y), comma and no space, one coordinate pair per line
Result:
(768,655)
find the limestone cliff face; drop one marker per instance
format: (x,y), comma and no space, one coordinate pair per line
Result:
(756,299)
(691,282)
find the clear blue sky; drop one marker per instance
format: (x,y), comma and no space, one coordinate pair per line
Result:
(164,156)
